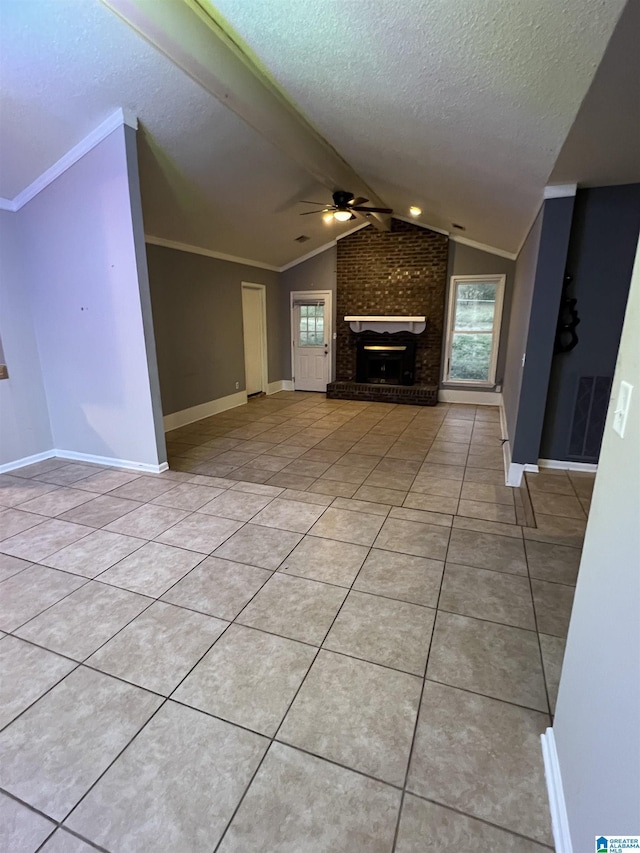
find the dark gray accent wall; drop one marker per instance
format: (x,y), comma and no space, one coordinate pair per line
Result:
(602,247)
(466,260)
(557,214)
(517,323)
(197,318)
(316,273)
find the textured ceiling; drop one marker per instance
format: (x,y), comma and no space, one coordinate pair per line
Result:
(460,107)
(603,146)
(207,179)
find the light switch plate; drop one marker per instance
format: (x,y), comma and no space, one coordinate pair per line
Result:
(622,408)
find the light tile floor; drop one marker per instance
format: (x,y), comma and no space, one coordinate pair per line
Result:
(324,629)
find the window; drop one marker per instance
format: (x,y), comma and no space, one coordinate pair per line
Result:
(475,312)
(311,328)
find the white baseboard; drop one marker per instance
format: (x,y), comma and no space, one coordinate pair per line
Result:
(513,474)
(107,461)
(280,385)
(561,465)
(110,462)
(26,460)
(515,471)
(510,478)
(557,806)
(204,410)
(474,398)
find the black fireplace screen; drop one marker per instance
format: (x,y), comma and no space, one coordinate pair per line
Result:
(385,360)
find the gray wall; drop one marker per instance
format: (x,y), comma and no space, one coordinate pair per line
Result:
(80,257)
(602,247)
(518,323)
(552,258)
(465,260)
(24,418)
(317,273)
(197,319)
(597,723)
(143,282)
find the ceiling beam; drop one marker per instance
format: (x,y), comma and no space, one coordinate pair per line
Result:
(200,43)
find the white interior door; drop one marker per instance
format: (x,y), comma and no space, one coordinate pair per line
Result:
(311,344)
(254,338)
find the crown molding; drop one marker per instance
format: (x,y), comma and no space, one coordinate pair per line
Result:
(483,247)
(117,119)
(308,256)
(208,253)
(551,191)
(414,221)
(323,248)
(559,191)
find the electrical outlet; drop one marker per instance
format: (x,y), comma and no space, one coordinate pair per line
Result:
(622,408)
(237,386)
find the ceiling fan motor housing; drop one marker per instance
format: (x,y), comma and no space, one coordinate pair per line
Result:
(341,198)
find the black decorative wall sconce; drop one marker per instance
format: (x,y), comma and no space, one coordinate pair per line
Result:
(568,319)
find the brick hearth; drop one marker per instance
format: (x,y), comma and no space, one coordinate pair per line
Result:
(371,392)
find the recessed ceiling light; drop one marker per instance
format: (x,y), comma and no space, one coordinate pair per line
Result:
(415,211)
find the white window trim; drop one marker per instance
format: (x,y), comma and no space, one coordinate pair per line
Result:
(495,334)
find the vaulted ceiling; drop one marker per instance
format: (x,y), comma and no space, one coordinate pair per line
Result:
(460,108)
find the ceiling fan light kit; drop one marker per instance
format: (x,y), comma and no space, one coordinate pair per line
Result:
(344,207)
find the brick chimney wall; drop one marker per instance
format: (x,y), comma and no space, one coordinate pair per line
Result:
(402,271)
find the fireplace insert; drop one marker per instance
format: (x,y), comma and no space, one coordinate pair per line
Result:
(385,359)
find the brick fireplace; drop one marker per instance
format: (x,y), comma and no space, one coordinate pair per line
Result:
(399,272)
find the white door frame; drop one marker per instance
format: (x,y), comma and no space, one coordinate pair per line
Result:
(262,290)
(327,295)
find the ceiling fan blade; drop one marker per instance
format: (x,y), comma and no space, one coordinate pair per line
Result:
(306,201)
(373,209)
(357,201)
(311,212)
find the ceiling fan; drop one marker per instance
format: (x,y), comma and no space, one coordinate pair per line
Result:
(344,207)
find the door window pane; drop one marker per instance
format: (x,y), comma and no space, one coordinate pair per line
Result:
(311,326)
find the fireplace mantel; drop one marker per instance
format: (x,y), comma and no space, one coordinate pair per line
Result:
(386,323)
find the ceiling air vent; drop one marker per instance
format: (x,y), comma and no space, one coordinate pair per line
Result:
(302,238)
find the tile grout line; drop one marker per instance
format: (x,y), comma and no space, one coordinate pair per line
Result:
(481,820)
(286,713)
(420,699)
(349,589)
